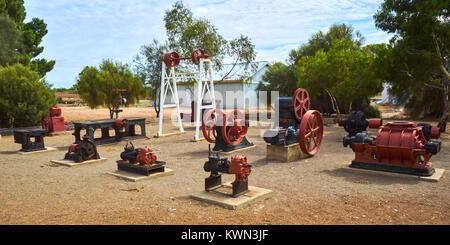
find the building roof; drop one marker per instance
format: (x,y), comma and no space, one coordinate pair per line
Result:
(239,72)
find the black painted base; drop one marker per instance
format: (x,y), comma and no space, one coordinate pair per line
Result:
(141,169)
(212,182)
(394,169)
(239,188)
(222,146)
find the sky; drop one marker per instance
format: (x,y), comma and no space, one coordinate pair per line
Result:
(84,32)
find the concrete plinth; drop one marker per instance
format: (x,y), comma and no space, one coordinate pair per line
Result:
(283,153)
(70,163)
(221,196)
(438,173)
(137,177)
(32,152)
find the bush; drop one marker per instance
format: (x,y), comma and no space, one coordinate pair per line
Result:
(24,97)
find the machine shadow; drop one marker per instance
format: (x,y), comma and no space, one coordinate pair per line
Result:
(8,152)
(377,178)
(265,161)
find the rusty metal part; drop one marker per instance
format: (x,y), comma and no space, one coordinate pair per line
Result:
(146,156)
(120,123)
(301,102)
(375,122)
(240,168)
(172,59)
(311,132)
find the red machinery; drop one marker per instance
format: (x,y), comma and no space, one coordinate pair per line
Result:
(398,146)
(172,59)
(227,131)
(238,166)
(55,122)
(140,160)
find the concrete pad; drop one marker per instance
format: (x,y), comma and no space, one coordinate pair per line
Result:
(238,150)
(438,173)
(137,177)
(70,163)
(220,196)
(284,153)
(169,134)
(32,152)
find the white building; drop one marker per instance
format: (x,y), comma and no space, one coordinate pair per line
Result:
(240,83)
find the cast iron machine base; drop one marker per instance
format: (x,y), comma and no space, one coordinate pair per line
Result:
(23,136)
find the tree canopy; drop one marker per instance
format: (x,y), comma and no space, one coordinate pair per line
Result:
(185,32)
(417,60)
(101,86)
(22,39)
(25,97)
(327,65)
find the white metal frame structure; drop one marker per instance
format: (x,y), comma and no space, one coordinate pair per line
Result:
(204,85)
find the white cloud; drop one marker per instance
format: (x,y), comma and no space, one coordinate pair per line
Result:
(84,32)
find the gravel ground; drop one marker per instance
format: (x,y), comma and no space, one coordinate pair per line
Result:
(317,190)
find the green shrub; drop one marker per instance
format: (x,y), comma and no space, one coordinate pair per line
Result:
(24,97)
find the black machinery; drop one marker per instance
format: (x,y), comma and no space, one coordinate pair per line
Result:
(238,166)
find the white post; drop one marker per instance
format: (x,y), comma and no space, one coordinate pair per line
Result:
(177,102)
(198,102)
(162,98)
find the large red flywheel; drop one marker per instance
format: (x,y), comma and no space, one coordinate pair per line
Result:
(311,132)
(234,128)
(209,124)
(301,102)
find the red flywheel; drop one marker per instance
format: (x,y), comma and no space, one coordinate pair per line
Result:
(301,102)
(209,124)
(234,128)
(311,132)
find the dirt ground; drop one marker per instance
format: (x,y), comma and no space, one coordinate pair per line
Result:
(317,190)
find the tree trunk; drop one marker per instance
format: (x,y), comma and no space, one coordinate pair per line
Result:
(334,103)
(444,117)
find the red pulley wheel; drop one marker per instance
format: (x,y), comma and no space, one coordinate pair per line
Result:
(172,59)
(234,128)
(209,124)
(301,102)
(311,132)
